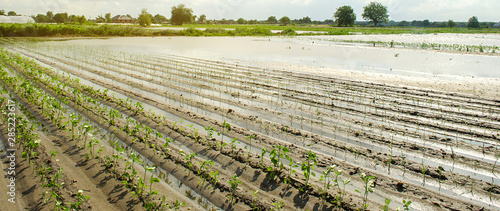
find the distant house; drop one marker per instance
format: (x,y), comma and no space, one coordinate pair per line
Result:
(496,25)
(123,19)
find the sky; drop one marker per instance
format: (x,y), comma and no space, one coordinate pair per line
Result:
(434,10)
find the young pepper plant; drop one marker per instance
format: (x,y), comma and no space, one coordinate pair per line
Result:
(307,166)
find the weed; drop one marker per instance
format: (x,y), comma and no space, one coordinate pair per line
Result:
(278,205)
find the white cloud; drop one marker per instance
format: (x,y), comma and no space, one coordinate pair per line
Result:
(301,2)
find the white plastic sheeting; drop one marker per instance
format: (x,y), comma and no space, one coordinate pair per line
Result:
(16,19)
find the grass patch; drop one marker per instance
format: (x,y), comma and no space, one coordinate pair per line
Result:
(46,30)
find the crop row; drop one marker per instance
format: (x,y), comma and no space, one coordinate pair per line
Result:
(353,133)
(430,46)
(276,154)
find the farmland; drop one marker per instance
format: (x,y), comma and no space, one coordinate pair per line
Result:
(106,129)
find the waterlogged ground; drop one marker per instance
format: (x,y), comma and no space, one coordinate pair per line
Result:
(424,123)
(449,71)
(445,38)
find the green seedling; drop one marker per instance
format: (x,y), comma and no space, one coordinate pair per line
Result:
(307,166)
(233,146)
(254,200)
(91,145)
(263,153)
(204,166)
(325,177)
(386,206)
(189,158)
(291,169)
(406,205)
(278,205)
(369,182)
(233,182)
(341,185)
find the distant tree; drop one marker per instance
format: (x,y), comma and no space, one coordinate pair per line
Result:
(403,23)
(439,24)
(60,17)
(376,13)
(254,21)
(272,20)
(72,18)
(100,19)
(81,19)
(11,13)
(451,24)
(144,18)
(77,19)
(328,21)
(41,18)
(487,24)
(241,21)
(473,22)
(202,19)
(305,20)
(181,14)
(50,16)
(344,16)
(284,20)
(426,23)
(417,23)
(160,18)
(193,18)
(152,18)
(108,18)
(2,12)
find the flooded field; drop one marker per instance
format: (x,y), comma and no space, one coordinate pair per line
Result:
(462,39)
(292,123)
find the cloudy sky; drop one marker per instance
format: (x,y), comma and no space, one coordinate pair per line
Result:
(434,10)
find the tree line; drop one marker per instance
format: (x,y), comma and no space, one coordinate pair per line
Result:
(375,13)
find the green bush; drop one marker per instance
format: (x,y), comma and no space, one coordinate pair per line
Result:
(288,31)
